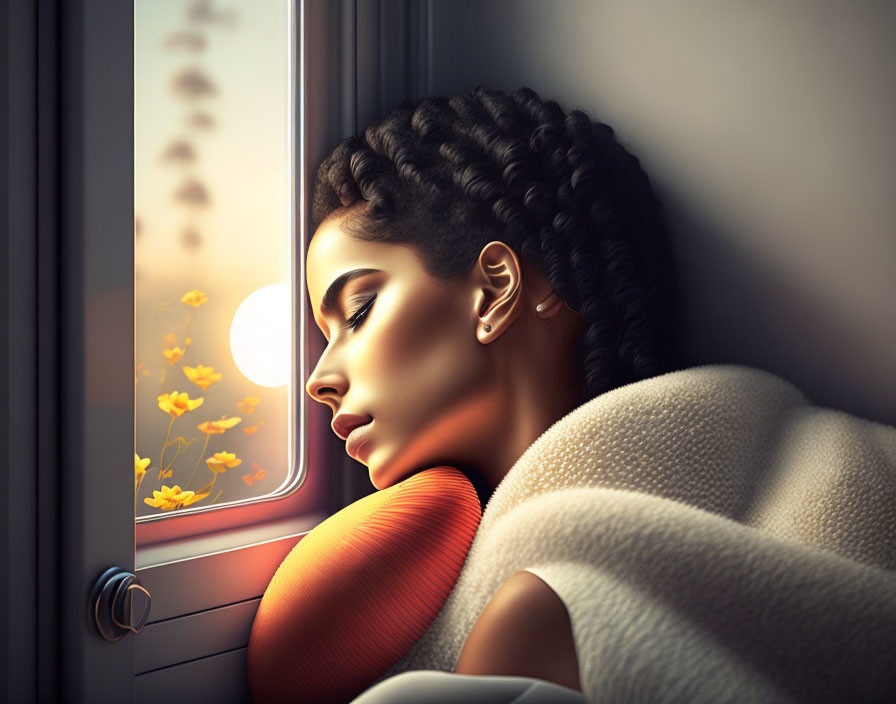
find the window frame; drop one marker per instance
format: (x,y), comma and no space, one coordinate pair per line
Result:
(304,496)
(70,87)
(353,60)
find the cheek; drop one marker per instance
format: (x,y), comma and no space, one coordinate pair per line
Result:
(420,358)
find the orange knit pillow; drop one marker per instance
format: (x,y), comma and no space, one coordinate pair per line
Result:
(360,589)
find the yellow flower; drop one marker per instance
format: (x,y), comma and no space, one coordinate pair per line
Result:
(202,375)
(248,404)
(139,469)
(194,298)
(222,461)
(173,354)
(140,370)
(188,341)
(177,404)
(252,429)
(214,427)
(170,340)
(172,498)
(258,476)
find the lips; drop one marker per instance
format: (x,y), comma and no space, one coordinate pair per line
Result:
(353,429)
(356,439)
(344,423)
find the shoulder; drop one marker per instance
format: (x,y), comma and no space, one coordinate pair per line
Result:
(524,631)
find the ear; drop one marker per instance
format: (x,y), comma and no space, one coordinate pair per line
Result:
(498,296)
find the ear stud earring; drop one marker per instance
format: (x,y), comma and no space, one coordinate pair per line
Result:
(488,328)
(549,305)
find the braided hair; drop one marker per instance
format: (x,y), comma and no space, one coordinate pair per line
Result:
(449,175)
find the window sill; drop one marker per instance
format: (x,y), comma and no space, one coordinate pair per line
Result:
(221,541)
(190,576)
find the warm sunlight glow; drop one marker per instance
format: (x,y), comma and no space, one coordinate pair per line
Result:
(260,336)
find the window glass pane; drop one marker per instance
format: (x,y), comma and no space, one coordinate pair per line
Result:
(213,160)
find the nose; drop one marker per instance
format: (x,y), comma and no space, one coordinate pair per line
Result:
(326,386)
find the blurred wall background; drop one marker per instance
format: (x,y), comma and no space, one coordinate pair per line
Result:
(767,129)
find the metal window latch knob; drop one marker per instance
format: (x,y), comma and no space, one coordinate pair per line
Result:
(118,604)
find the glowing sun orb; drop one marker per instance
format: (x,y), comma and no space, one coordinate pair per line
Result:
(260,336)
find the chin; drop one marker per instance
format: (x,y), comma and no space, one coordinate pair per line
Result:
(382,477)
(375,472)
(379,481)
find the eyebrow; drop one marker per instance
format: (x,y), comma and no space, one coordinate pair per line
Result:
(328,304)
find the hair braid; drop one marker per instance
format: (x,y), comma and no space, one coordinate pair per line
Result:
(448,175)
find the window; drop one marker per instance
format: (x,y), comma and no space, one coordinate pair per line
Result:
(216,372)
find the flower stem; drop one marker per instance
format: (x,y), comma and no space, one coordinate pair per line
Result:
(180,447)
(162,460)
(202,454)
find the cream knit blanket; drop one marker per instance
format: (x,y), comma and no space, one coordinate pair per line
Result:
(714,536)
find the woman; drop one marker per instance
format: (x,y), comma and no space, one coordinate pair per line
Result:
(481,266)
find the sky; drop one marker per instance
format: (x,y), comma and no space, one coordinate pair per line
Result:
(243,160)
(230,62)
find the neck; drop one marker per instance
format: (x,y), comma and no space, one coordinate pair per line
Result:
(535,381)
(519,432)
(539,389)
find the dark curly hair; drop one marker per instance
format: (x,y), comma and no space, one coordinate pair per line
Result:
(449,175)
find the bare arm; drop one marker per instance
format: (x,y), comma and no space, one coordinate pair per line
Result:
(525,631)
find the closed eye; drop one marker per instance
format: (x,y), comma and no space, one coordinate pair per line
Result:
(355,320)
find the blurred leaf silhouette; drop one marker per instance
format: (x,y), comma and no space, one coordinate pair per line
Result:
(201,12)
(190,238)
(192,41)
(193,192)
(201,120)
(191,84)
(180,151)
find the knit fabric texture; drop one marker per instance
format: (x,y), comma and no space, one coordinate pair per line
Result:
(715,537)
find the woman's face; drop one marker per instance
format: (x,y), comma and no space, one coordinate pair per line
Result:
(402,353)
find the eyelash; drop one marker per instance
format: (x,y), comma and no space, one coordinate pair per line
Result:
(353,322)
